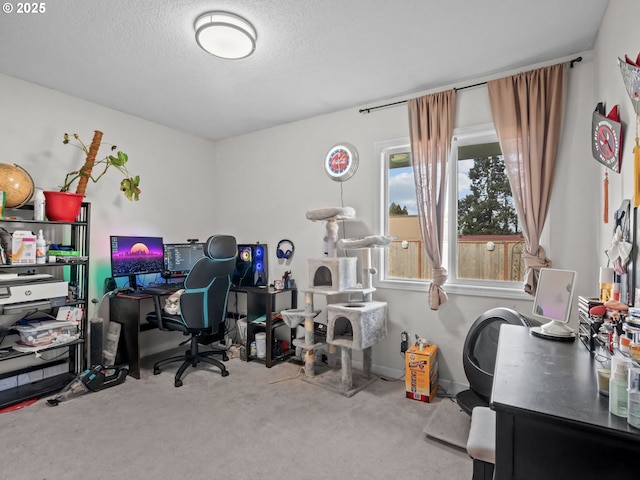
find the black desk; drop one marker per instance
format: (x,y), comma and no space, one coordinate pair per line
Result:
(130,312)
(262,301)
(551,423)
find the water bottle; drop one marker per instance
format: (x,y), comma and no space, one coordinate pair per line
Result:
(38,205)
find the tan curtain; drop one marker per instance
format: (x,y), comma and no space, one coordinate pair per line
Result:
(431,120)
(527,111)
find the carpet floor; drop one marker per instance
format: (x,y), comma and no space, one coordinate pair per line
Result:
(256,423)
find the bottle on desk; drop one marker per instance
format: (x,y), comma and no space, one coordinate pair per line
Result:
(633,399)
(606,284)
(618,384)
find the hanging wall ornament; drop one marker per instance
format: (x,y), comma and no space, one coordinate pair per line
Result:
(631,76)
(606,140)
(630,71)
(606,197)
(636,161)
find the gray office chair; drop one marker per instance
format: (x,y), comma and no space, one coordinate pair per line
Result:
(203,306)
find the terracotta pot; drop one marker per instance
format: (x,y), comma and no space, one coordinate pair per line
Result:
(62,206)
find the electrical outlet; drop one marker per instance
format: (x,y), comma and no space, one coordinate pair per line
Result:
(404,342)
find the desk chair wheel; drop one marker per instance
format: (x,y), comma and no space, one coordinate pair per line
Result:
(224,373)
(156,371)
(225,357)
(178,383)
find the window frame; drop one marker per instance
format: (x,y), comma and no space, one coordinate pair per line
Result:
(461,137)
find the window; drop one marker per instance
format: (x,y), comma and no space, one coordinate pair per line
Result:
(480,214)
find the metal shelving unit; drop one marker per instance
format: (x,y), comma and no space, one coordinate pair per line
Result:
(76,272)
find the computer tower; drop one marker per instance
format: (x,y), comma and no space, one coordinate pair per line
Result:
(251,266)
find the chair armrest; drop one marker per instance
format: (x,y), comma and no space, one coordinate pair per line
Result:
(156,295)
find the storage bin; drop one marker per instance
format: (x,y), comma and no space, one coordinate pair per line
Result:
(46,332)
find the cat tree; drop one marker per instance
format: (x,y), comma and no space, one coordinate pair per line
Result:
(357,324)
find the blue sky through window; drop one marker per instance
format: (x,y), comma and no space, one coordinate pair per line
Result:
(402,190)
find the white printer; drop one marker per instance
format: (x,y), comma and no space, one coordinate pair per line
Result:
(26,294)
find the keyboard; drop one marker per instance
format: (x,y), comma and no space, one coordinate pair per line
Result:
(168,287)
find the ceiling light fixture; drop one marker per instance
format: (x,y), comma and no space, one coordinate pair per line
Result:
(225,35)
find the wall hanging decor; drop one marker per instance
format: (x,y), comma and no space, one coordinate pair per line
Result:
(341,162)
(606,144)
(630,70)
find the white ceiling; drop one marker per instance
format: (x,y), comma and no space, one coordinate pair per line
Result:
(312,56)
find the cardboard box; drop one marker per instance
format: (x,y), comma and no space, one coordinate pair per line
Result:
(23,248)
(421,376)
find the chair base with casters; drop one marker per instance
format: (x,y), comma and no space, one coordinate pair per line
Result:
(192,357)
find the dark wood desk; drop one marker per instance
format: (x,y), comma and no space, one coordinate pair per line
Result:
(551,422)
(129,311)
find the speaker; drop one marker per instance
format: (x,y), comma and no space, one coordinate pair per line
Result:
(109,285)
(251,266)
(285,252)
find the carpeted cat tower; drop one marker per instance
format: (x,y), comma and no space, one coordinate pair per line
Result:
(357,324)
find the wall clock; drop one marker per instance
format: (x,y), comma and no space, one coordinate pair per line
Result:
(341,162)
(606,140)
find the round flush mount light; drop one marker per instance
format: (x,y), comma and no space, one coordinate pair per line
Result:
(225,35)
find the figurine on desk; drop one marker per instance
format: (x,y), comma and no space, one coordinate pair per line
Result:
(286,283)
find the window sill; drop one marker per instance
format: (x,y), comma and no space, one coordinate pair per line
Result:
(458,289)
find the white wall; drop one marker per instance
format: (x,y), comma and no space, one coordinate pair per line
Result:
(286,178)
(176,169)
(259,186)
(619,35)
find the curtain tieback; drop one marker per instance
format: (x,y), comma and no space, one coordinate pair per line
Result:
(536,261)
(440,276)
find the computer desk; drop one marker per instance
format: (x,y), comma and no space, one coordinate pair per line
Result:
(551,422)
(130,312)
(263,301)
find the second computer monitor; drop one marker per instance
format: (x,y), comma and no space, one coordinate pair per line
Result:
(179,258)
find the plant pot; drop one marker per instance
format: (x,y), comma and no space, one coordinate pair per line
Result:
(62,206)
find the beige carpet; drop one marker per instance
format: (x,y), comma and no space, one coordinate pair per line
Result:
(257,423)
(449,424)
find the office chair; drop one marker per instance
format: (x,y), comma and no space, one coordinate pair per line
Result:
(203,306)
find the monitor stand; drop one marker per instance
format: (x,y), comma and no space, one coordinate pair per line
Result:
(554,330)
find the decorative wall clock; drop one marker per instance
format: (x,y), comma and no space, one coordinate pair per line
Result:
(341,162)
(606,140)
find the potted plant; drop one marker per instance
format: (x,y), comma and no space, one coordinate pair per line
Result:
(64,205)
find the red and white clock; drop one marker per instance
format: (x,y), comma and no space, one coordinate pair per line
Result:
(341,162)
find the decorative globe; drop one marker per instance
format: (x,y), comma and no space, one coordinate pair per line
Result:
(18,185)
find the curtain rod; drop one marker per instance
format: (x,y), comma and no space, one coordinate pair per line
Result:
(368,110)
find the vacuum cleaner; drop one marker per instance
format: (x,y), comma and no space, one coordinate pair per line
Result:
(94,379)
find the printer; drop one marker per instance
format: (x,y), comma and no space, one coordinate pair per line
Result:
(28,294)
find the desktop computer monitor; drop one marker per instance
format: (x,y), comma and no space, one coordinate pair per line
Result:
(179,258)
(552,304)
(132,256)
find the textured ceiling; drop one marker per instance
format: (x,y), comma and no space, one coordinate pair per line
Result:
(312,56)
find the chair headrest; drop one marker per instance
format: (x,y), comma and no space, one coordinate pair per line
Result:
(220,247)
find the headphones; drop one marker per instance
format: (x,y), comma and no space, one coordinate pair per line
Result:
(280,253)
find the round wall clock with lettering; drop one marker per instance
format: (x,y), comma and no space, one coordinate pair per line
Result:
(341,162)
(606,141)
